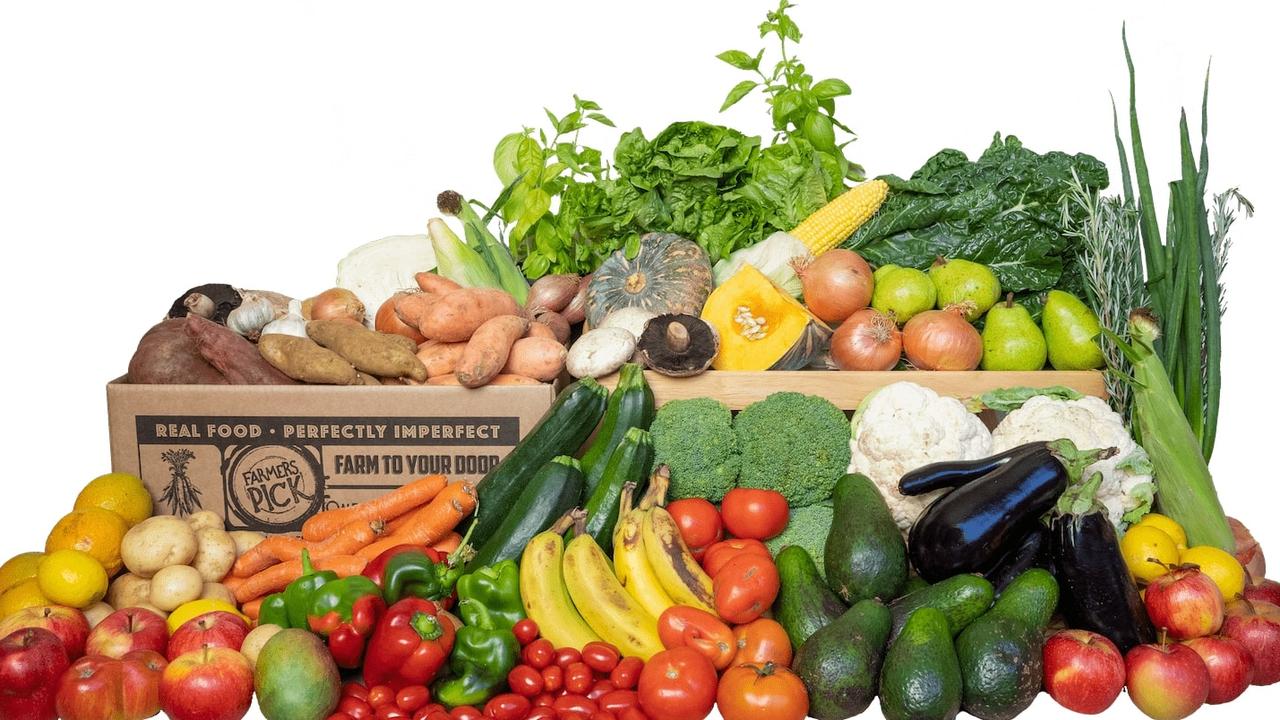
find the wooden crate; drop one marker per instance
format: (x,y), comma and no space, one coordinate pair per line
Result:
(737,389)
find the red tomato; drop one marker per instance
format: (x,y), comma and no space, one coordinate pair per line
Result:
(574,703)
(682,626)
(748,692)
(578,678)
(380,695)
(526,631)
(699,523)
(355,690)
(567,656)
(599,690)
(726,550)
(600,656)
(538,654)
(552,678)
(754,514)
(603,715)
(627,673)
(762,641)
(618,700)
(390,712)
(465,712)
(356,708)
(745,587)
(678,684)
(525,680)
(541,713)
(412,697)
(507,706)
(633,713)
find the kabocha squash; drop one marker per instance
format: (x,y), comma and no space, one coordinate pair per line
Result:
(668,275)
(762,327)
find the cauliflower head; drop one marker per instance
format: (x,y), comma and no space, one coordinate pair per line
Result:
(1127,488)
(904,426)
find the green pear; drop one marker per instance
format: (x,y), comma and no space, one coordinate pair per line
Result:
(1011,340)
(883,270)
(1071,329)
(962,282)
(903,293)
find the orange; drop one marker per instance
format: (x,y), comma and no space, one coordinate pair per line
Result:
(121,493)
(25,594)
(19,568)
(95,531)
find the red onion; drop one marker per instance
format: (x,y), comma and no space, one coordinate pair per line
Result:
(836,284)
(942,340)
(867,340)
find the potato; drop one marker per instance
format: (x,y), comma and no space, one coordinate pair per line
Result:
(175,585)
(256,639)
(204,519)
(302,359)
(368,350)
(128,590)
(245,539)
(218,591)
(97,612)
(157,543)
(215,554)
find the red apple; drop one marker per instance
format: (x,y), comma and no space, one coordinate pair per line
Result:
(31,661)
(214,683)
(67,623)
(1256,626)
(1263,591)
(1230,667)
(102,688)
(1186,603)
(1248,551)
(1083,671)
(216,629)
(124,631)
(1166,681)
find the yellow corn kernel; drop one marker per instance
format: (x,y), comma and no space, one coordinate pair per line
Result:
(838,219)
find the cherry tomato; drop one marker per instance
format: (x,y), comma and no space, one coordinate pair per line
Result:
(683,626)
(355,690)
(538,654)
(339,716)
(762,641)
(465,712)
(599,690)
(544,700)
(574,703)
(390,712)
(618,700)
(552,678)
(526,631)
(754,691)
(633,713)
(412,697)
(745,587)
(726,550)
(434,711)
(699,523)
(525,680)
(541,713)
(600,656)
(507,706)
(754,514)
(627,673)
(678,684)
(578,678)
(603,715)
(567,656)
(356,708)
(380,695)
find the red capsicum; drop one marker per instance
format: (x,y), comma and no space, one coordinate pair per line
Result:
(410,645)
(346,612)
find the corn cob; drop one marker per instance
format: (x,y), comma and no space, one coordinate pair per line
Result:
(837,220)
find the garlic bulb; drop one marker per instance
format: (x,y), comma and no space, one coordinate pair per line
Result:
(253,314)
(291,323)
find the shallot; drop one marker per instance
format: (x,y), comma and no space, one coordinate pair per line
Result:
(576,311)
(552,292)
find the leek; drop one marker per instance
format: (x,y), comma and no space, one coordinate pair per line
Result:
(1184,487)
(455,260)
(495,254)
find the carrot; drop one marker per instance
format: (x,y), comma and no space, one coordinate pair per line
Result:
(388,506)
(448,543)
(434,283)
(456,316)
(430,523)
(253,609)
(487,350)
(393,526)
(353,536)
(277,577)
(273,549)
(440,358)
(232,582)
(536,357)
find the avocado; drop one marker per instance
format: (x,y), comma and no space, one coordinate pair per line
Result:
(865,556)
(804,604)
(1002,666)
(921,677)
(296,678)
(961,598)
(840,664)
(1032,597)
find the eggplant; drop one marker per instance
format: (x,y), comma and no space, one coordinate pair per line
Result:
(971,528)
(954,473)
(1098,593)
(1034,551)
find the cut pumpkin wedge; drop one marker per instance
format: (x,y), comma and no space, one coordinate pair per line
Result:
(762,327)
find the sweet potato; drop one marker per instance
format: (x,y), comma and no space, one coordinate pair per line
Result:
(556,323)
(369,351)
(536,357)
(166,355)
(440,358)
(435,284)
(499,379)
(457,315)
(302,359)
(539,330)
(235,357)
(411,306)
(487,350)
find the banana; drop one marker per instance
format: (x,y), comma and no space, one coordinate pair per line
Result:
(631,565)
(603,602)
(546,599)
(681,576)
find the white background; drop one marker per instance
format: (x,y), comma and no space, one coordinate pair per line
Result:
(149,147)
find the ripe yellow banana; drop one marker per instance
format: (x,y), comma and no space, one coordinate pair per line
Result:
(681,576)
(603,602)
(631,565)
(546,599)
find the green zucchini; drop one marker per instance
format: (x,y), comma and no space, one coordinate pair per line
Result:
(550,493)
(561,431)
(630,462)
(630,405)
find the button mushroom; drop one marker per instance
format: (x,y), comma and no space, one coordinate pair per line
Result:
(600,352)
(678,345)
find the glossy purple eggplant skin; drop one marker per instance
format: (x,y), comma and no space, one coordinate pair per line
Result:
(971,528)
(1034,551)
(1098,593)
(955,473)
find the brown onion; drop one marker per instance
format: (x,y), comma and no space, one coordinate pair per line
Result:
(867,340)
(576,311)
(387,321)
(337,304)
(552,292)
(836,284)
(942,340)
(556,322)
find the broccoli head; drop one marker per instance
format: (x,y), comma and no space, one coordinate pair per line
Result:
(695,440)
(794,443)
(807,527)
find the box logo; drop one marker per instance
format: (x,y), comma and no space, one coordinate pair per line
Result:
(274,486)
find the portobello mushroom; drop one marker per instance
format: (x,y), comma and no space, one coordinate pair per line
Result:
(678,345)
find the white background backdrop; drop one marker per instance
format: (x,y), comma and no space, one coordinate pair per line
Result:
(149,147)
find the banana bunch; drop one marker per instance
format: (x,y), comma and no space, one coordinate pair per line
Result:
(650,557)
(544,592)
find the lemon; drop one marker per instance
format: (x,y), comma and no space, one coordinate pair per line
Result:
(1148,551)
(95,531)
(1221,567)
(73,578)
(190,610)
(24,595)
(121,493)
(1168,525)
(18,569)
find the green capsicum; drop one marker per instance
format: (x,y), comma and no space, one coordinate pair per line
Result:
(490,596)
(274,611)
(485,649)
(297,596)
(346,612)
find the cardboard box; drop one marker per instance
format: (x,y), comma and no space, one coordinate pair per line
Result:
(267,458)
